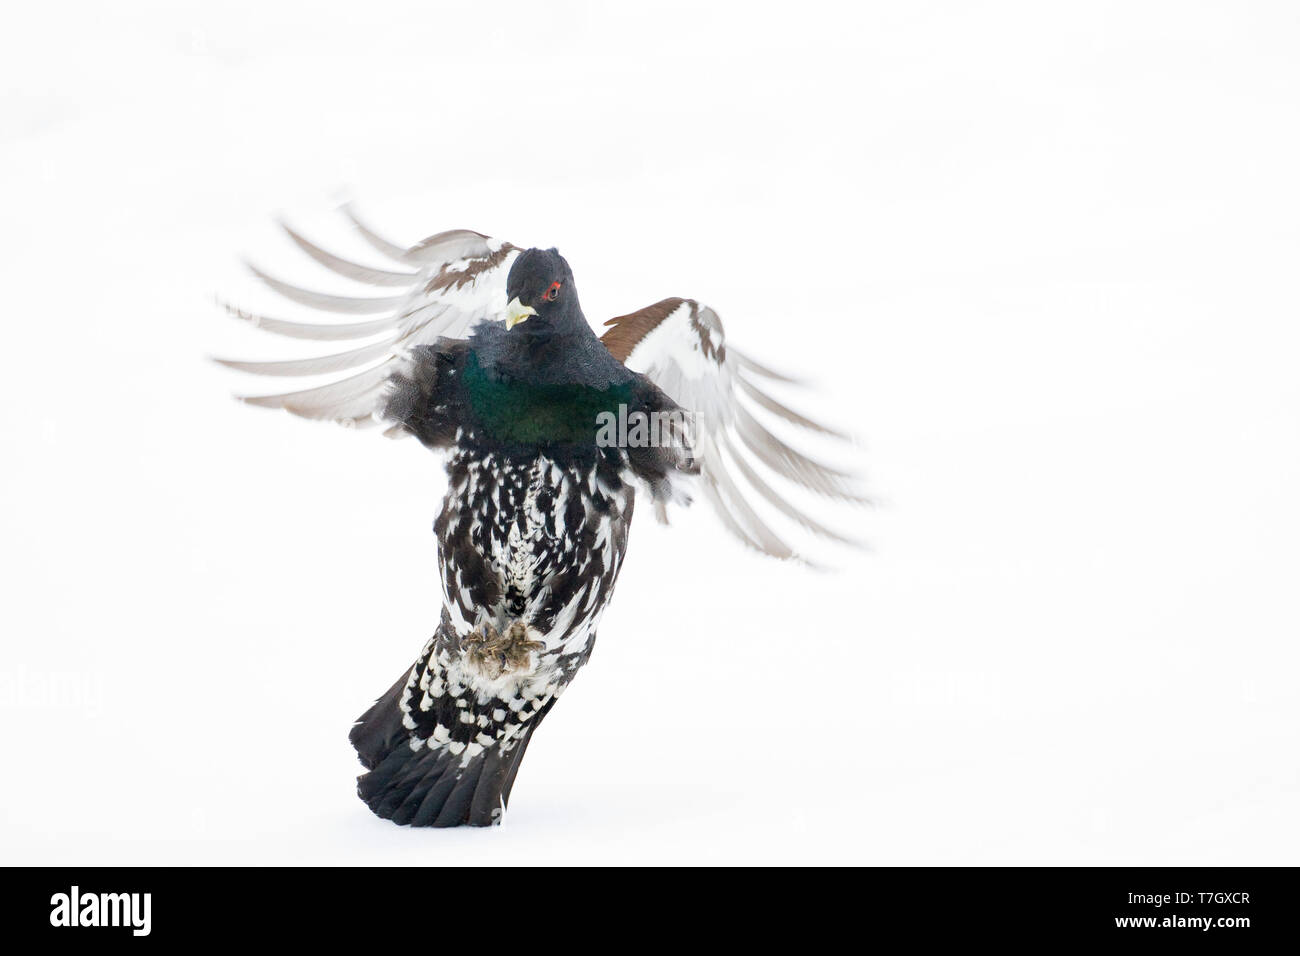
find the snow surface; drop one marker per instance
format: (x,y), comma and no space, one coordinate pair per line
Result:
(1042,260)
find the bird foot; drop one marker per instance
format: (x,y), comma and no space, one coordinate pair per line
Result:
(492,654)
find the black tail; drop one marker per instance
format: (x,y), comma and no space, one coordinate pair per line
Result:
(430,787)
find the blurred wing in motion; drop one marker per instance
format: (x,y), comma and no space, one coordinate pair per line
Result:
(679,345)
(437,288)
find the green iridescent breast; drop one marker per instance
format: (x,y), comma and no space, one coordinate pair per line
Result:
(522,413)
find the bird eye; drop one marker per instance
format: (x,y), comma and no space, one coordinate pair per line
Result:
(552,293)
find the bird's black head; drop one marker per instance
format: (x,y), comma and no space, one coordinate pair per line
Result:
(545,338)
(541,293)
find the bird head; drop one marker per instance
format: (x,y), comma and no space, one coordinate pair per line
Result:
(541,293)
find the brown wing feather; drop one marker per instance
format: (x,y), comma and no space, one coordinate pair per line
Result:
(449,278)
(627,331)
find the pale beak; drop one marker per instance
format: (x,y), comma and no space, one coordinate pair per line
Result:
(517,312)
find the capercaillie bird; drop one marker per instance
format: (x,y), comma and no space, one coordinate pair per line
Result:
(484,355)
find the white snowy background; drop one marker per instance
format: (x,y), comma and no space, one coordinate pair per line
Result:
(1042,258)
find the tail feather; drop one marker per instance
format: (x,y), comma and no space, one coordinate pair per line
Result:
(456,804)
(397,798)
(493,790)
(430,786)
(379,729)
(426,793)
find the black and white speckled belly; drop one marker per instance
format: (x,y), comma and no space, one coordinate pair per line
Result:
(530,538)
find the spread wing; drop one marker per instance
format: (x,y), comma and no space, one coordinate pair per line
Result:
(679,344)
(437,288)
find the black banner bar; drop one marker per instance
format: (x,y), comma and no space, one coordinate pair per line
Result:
(1229,906)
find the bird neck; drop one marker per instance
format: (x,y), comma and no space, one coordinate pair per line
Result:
(554,353)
